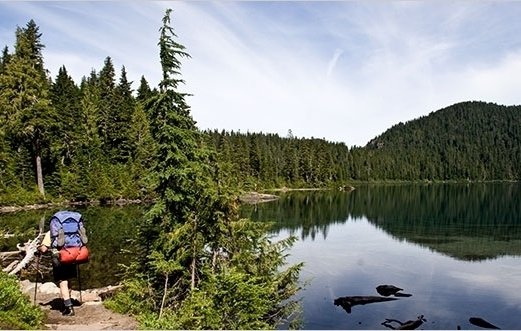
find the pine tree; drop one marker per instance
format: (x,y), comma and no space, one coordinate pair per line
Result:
(4,59)
(143,92)
(179,168)
(197,258)
(65,96)
(24,95)
(106,86)
(119,126)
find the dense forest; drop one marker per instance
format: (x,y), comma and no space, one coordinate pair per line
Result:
(92,140)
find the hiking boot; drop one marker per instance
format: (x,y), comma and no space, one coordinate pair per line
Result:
(68,311)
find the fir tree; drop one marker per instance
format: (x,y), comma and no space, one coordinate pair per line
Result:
(143,92)
(200,265)
(25,98)
(65,96)
(4,59)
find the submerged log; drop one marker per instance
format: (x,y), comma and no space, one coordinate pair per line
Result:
(387,290)
(478,321)
(409,325)
(350,301)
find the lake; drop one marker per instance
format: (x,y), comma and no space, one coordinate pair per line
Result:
(456,248)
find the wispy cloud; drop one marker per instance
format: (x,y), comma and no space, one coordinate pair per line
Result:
(345,71)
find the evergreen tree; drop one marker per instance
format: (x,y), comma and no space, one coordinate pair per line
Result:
(200,266)
(24,97)
(143,92)
(4,59)
(106,107)
(119,126)
(65,96)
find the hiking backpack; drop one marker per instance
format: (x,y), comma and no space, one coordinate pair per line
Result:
(68,235)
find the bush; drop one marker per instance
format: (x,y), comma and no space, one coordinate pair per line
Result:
(16,310)
(134,299)
(21,196)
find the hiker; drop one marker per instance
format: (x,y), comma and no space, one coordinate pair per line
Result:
(66,240)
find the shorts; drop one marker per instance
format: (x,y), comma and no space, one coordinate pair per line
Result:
(64,272)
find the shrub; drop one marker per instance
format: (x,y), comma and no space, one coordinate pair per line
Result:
(16,310)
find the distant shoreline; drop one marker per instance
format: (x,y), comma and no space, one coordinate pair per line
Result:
(246,197)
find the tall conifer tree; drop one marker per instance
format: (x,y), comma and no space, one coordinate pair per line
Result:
(24,95)
(65,97)
(106,85)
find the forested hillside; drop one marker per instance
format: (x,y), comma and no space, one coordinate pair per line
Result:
(468,140)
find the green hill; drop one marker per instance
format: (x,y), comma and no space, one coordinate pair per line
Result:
(468,140)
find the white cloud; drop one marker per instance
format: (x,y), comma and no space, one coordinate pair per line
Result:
(269,66)
(332,63)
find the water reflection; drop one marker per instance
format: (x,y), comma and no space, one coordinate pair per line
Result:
(470,222)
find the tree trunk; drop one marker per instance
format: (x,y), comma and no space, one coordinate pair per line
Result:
(193,264)
(164,296)
(39,175)
(193,271)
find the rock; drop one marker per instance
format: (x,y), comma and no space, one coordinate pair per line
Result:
(409,325)
(92,303)
(255,197)
(86,296)
(387,290)
(48,288)
(27,287)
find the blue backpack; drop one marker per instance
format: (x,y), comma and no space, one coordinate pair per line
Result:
(67,230)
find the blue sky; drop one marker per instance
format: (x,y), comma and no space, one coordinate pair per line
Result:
(343,70)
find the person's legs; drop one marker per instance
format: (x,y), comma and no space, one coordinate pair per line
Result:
(67,302)
(61,275)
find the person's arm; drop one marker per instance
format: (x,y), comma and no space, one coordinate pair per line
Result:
(46,242)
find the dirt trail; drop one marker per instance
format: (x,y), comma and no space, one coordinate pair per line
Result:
(90,315)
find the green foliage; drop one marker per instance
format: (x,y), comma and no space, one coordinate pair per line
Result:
(19,196)
(16,311)
(231,300)
(134,300)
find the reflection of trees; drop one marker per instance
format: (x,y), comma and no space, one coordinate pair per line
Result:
(304,212)
(466,221)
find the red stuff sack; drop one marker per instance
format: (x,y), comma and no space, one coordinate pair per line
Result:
(77,255)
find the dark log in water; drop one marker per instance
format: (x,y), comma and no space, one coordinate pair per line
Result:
(478,321)
(387,290)
(348,302)
(409,325)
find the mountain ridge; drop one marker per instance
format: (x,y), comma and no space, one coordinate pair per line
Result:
(467,140)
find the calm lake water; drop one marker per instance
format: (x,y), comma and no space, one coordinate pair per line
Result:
(455,248)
